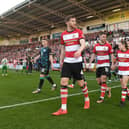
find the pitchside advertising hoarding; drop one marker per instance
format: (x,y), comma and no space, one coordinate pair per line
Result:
(55,65)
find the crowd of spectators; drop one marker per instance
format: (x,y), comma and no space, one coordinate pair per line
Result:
(20,52)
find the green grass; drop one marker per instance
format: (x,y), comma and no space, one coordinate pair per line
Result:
(17,88)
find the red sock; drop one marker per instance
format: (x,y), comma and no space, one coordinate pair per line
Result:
(123,94)
(64,95)
(85,92)
(103,89)
(127,91)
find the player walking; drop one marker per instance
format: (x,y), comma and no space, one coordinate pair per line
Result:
(46,61)
(101,51)
(73,44)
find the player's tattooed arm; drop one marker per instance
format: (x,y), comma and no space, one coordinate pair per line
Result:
(62,55)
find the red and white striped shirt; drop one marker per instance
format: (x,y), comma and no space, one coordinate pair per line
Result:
(102,54)
(71,40)
(123,62)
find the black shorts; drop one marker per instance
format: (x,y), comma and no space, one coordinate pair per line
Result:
(72,69)
(102,71)
(121,76)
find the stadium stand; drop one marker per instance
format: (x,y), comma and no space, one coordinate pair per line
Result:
(21,51)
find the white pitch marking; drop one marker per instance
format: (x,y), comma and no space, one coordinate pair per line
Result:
(48,99)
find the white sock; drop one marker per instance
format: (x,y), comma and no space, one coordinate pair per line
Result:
(87,99)
(64,106)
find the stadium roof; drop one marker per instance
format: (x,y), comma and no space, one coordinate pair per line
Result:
(34,16)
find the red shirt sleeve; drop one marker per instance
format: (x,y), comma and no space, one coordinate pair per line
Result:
(81,36)
(110,49)
(62,41)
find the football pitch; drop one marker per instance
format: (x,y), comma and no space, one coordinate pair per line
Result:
(20,109)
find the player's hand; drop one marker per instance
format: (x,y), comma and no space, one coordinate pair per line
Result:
(77,54)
